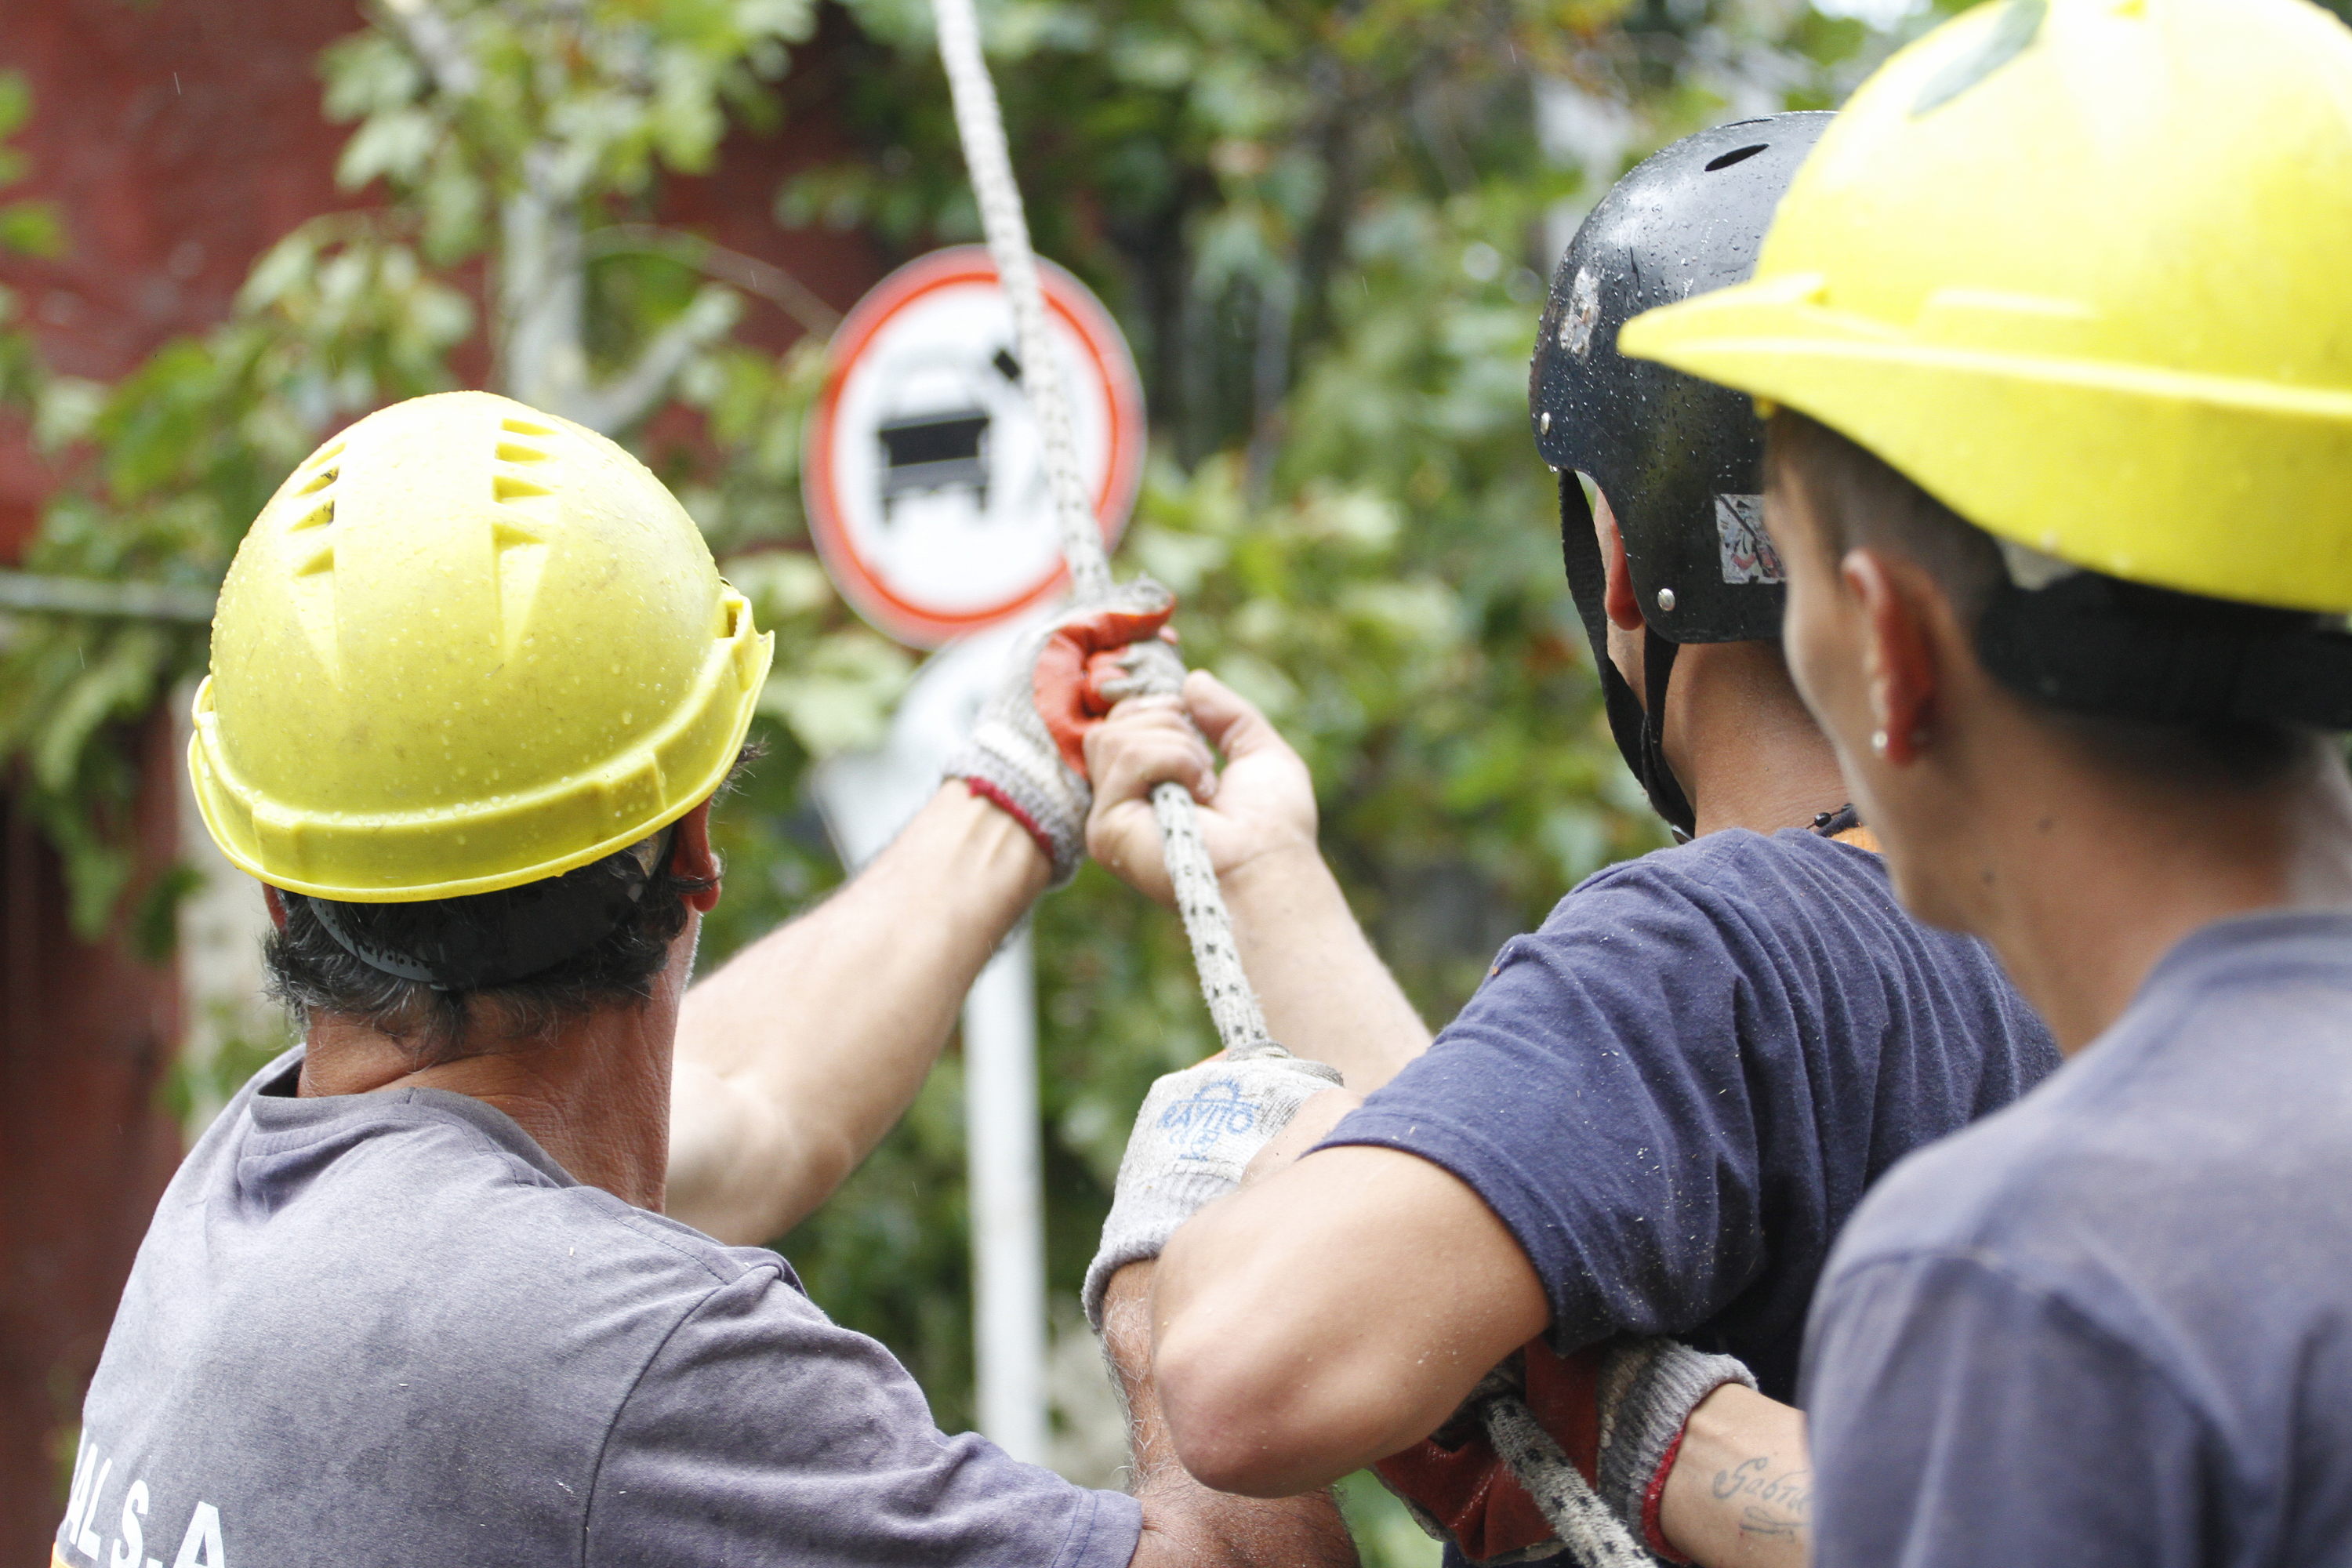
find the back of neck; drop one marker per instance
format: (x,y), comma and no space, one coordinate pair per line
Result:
(1739,739)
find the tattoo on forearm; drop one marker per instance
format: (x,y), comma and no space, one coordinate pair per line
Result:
(1772,1501)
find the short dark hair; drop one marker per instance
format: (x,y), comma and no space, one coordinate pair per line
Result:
(312,971)
(1857,499)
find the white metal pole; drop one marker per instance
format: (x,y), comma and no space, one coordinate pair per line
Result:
(1007,1200)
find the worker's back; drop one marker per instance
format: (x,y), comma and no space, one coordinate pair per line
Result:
(389,1328)
(1676,1091)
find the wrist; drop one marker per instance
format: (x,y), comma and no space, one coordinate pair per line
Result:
(1285,873)
(1737,1487)
(1001,863)
(999,820)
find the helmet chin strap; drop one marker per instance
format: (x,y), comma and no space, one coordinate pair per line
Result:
(1637,723)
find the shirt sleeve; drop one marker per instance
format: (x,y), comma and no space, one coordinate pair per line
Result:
(1595,1092)
(1962,1418)
(761,1432)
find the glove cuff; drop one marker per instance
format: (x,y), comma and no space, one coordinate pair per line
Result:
(1648,1390)
(1058,826)
(1141,1225)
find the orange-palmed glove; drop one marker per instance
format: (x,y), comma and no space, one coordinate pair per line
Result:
(1027,752)
(1617,1411)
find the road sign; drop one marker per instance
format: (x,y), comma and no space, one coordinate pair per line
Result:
(924,472)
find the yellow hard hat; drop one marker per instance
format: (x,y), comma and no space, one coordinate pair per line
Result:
(465,645)
(2081,269)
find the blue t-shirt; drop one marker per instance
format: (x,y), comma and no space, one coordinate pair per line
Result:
(389,1329)
(2114,1323)
(1675,1092)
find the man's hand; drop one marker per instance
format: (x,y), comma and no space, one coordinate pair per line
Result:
(1326,993)
(1196,1133)
(1263,804)
(1025,754)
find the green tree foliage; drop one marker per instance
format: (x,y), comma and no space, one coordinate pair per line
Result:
(1325,227)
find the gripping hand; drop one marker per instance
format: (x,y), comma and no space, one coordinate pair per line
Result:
(1617,1410)
(1027,753)
(1198,1128)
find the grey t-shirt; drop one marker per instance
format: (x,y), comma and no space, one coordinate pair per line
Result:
(2110,1326)
(389,1329)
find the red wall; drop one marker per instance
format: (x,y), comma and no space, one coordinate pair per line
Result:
(179,138)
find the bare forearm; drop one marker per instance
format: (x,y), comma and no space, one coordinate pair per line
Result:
(1327,994)
(796,1057)
(1185,1524)
(1740,1493)
(1330,1314)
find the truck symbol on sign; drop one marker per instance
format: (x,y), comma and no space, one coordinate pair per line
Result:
(934,433)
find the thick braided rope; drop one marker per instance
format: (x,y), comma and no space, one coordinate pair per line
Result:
(1233,1006)
(1582,1519)
(1594,1536)
(980,128)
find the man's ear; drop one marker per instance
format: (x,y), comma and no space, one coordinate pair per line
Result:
(1624,611)
(692,859)
(1902,664)
(275,902)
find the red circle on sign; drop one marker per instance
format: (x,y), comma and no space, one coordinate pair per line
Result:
(889,606)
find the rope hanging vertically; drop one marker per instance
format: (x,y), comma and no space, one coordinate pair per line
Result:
(1591,1532)
(1233,1006)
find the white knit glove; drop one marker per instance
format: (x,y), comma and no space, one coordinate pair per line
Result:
(1027,753)
(1196,1131)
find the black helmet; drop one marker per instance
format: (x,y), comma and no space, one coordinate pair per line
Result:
(1680,460)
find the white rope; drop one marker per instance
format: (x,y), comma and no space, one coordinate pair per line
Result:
(1233,1006)
(1584,1522)
(980,127)
(1595,1537)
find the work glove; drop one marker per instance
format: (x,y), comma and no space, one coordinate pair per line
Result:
(1027,752)
(1198,1128)
(1617,1410)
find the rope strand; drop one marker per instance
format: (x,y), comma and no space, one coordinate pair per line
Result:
(1591,1532)
(1233,1006)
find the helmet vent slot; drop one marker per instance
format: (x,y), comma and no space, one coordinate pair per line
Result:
(317,516)
(514,452)
(506,488)
(319,481)
(523,427)
(1737,156)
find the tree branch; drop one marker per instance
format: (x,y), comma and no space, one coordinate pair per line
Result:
(435,43)
(635,392)
(749,273)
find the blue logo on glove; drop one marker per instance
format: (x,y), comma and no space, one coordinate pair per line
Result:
(1217,1113)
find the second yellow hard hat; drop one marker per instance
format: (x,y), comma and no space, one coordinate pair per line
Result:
(2083,271)
(465,647)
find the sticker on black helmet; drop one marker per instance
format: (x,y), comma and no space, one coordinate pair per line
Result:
(1583,311)
(2007,37)
(1748,552)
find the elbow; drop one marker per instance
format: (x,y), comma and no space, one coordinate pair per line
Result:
(1248,1413)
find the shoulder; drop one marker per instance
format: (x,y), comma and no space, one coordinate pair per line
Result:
(427,1193)
(531,1204)
(2196,1145)
(1726,880)
(1747,907)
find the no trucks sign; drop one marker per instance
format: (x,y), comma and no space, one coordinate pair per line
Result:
(924,471)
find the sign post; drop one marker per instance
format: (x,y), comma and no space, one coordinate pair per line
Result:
(927,498)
